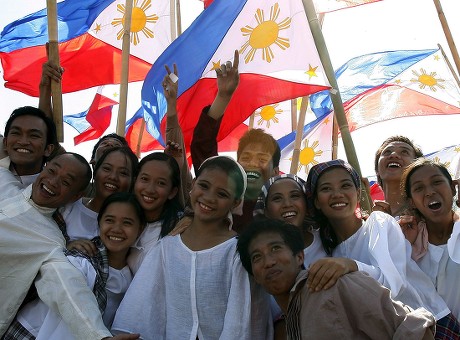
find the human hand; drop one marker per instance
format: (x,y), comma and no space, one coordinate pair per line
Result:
(170,88)
(408,224)
(325,272)
(85,246)
(228,77)
(174,150)
(382,206)
(50,72)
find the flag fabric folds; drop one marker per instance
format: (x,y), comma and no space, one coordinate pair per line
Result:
(324,6)
(90,37)
(276,64)
(449,157)
(316,146)
(387,85)
(92,124)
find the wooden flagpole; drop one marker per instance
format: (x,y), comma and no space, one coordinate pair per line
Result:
(298,136)
(251,120)
(121,120)
(339,112)
(449,65)
(293,114)
(53,56)
(448,34)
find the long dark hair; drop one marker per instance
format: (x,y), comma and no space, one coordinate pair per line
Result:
(172,208)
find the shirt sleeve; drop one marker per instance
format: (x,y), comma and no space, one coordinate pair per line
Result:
(64,289)
(204,140)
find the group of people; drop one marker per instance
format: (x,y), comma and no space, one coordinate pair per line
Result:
(125,249)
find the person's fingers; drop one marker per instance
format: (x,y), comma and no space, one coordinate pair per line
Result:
(167,69)
(228,65)
(176,72)
(236,60)
(224,70)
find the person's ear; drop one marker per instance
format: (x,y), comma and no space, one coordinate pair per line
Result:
(300,258)
(236,203)
(48,150)
(173,193)
(276,171)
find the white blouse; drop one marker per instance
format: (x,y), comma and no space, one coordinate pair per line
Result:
(81,221)
(183,294)
(442,264)
(380,249)
(144,243)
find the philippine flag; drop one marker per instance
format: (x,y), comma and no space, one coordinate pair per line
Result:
(90,37)
(388,85)
(278,61)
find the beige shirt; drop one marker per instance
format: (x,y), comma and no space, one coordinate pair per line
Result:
(356,307)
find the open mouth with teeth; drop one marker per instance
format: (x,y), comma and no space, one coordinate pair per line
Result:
(22,150)
(110,186)
(205,207)
(338,205)
(289,214)
(253,175)
(148,199)
(48,190)
(394,165)
(434,205)
(115,238)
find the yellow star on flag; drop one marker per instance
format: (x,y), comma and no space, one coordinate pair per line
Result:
(311,71)
(216,65)
(97,28)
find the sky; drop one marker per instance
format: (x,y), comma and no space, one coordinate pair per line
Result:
(382,26)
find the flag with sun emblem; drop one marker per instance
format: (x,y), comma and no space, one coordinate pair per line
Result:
(450,158)
(90,33)
(324,6)
(316,146)
(388,85)
(278,61)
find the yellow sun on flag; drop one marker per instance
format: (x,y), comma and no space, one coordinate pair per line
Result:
(268,114)
(139,21)
(427,80)
(264,35)
(438,160)
(308,154)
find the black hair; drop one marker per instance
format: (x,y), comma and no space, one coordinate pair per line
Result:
(121,139)
(124,197)
(259,136)
(172,207)
(51,136)
(418,152)
(290,234)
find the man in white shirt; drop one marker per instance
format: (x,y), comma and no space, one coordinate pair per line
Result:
(31,248)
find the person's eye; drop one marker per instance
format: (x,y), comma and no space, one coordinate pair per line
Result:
(255,258)
(223,195)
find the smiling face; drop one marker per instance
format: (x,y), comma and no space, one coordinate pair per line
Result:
(394,158)
(113,175)
(336,195)
(213,195)
(26,144)
(60,182)
(258,164)
(273,264)
(107,143)
(286,201)
(153,187)
(431,194)
(119,227)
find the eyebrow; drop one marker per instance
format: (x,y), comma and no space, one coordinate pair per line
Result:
(15,127)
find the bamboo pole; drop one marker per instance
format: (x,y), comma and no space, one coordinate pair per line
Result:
(449,65)
(178,18)
(53,56)
(339,112)
(121,120)
(298,136)
(448,34)
(172,20)
(139,140)
(251,121)
(293,114)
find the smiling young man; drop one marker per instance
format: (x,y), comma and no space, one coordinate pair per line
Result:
(356,307)
(258,152)
(31,247)
(391,158)
(29,139)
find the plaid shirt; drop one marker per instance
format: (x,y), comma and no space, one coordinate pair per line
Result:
(100,262)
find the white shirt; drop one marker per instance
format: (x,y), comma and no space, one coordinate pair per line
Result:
(31,244)
(25,180)
(81,222)
(442,264)
(150,235)
(315,250)
(183,294)
(45,324)
(380,249)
